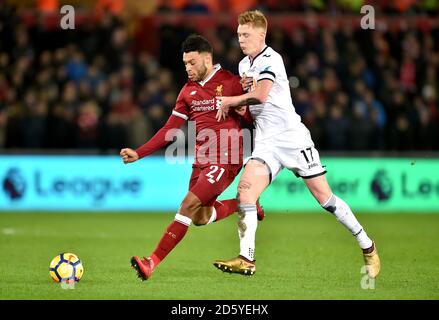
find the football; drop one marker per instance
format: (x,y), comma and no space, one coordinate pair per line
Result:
(66,267)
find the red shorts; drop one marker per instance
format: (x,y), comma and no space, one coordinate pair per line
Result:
(208,182)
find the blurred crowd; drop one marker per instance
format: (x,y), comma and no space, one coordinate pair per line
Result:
(235,6)
(281,6)
(88,89)
(81,88)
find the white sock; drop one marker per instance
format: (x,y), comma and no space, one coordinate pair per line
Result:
(344,214)
(247,225)
(183,219)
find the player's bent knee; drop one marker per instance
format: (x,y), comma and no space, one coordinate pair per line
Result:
(200,218)
(199,221)
(190,209)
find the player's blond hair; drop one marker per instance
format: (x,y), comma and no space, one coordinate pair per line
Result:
(256,18)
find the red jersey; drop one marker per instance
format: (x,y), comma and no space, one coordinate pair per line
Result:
(216,142)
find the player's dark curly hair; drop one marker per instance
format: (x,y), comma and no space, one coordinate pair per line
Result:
(198,43)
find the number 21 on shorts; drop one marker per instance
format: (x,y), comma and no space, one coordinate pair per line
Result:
(211,174)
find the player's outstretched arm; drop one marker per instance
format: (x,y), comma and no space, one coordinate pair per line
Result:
(129,155)
(163,137)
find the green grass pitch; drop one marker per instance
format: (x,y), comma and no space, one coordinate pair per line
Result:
(299,256)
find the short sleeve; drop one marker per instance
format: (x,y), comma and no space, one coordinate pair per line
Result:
(181,108)
(267,72)
(269,66)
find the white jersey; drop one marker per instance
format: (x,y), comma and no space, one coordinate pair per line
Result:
(277,115)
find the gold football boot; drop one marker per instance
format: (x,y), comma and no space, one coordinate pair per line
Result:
(372,262)
(236,265)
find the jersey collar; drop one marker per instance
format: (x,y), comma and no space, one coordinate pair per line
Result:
(216,67)
(253,60)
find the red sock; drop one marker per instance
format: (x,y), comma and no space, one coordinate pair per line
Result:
(174,233)
(225,208)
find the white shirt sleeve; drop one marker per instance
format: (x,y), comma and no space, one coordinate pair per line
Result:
(267,68)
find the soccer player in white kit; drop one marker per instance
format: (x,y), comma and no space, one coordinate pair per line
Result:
(281,141)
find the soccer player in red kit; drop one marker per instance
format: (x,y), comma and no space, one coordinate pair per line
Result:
(217,161)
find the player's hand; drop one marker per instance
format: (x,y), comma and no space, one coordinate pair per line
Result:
(223,109)
(129,155)
(246,83)
(221,115)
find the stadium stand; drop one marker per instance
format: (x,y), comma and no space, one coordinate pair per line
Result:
(112,81)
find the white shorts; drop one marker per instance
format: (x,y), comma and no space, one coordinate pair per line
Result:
(303,161)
